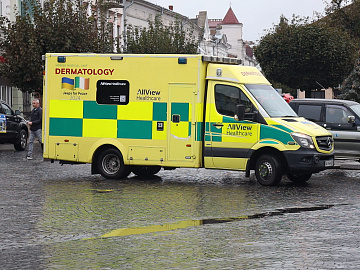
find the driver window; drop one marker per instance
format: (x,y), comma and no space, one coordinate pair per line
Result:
(6,110)
(337,115)
(227,97)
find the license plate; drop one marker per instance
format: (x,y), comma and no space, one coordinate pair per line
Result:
(329,163)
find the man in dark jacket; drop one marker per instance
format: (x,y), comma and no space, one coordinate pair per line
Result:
(35,126)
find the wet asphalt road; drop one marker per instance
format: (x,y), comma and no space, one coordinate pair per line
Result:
(61,217)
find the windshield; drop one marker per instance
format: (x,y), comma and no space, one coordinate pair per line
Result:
(271,101)
(356,109)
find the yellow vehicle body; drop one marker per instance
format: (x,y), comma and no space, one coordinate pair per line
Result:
(163,111)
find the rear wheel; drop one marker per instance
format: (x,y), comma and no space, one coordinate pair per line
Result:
(268,170)
(21,143)
(299,178)
(111,164)
(145,170)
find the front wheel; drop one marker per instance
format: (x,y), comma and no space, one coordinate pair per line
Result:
(21,143)
(111,164)
(299,178)
(268,170)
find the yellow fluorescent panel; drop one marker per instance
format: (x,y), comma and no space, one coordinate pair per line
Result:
(136,111)
(214,117)
(66,108)
(100,128)
(158,135)
(180,130)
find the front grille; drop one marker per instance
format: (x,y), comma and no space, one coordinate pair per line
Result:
(325,142)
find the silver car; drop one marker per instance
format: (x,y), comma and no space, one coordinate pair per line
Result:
(340,117)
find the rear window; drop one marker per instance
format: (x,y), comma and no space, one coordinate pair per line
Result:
(311,112)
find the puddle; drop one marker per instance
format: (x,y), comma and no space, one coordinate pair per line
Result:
(192,223)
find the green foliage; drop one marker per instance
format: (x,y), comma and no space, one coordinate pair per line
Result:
(304,56)
(60,26)
(344,15)
(351,86)
(158,38)
(347,18)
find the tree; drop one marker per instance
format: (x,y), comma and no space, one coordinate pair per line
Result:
(351,85)
(345,15)
(60,26)
(348,19)
(158,38)
(305,56)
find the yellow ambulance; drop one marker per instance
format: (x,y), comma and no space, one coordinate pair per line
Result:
(140,113)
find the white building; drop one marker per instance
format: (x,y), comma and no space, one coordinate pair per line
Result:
(232,29)
(211,43)
(137,13)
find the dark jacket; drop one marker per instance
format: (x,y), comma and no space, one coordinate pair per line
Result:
(36,119)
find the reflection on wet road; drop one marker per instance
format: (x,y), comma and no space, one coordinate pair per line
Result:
(61,217)
(191,223)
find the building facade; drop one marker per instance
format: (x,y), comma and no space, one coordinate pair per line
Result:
(219,37)
(13,96)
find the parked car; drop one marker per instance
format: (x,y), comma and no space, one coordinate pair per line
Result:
(340,117)
(13,127)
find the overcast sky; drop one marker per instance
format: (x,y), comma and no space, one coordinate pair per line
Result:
(255,15)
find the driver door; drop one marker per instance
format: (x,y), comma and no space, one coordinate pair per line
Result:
(228,142)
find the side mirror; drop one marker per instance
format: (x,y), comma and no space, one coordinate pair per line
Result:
(17,112)
(351,119)
(240,112)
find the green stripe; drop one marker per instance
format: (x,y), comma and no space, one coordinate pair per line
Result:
(269,132)
(283,128)
(182,109)
(77,82)
(92,110)
(269,142)
(216,138)
(207,126)
(134,129)
(65,127)
(159,111)
(199,131)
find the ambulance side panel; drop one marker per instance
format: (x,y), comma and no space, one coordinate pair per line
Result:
(150,109)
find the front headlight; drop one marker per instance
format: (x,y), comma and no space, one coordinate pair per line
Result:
(303,140)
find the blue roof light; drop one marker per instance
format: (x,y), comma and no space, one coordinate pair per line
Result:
(182,60)
(61,59)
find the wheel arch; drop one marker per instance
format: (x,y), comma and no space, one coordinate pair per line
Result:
(99,150)
(262,151)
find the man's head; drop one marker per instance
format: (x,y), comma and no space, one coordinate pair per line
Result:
(36,103)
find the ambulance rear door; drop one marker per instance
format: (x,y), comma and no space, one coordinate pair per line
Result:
(181,127)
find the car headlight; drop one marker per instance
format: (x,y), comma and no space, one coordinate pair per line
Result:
(303,140)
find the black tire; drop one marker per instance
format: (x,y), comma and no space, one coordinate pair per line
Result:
(299,178)
(268,170)
(145,170)
(111,164)
(21,143)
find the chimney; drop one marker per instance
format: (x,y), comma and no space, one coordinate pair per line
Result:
(171,8)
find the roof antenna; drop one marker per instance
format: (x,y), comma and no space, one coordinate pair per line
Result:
(320,85)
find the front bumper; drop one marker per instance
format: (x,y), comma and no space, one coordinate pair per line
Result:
(308,161)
